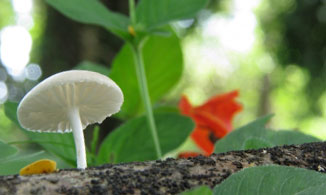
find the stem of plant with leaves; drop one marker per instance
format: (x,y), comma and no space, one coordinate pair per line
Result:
(142,83)
(132,12)
(136,45)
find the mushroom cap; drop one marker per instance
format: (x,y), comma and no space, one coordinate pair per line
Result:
(45,108)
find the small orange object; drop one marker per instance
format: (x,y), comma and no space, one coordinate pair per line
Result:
(188,154)
(213,119)
(131,31)
(39,167)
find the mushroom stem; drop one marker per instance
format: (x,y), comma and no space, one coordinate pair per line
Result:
(77,131)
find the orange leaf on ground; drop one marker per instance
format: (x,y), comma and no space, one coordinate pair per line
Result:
(39,167)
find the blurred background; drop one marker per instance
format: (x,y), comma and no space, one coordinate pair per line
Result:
(273,52)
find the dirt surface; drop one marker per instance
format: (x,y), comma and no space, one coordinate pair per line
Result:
(170,176)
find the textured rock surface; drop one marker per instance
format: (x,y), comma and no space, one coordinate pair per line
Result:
(163,177)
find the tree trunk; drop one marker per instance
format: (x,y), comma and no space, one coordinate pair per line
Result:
(170,176)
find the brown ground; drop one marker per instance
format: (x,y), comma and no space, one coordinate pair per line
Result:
(163,177)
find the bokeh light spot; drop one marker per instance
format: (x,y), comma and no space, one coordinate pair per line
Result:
(3,92)
(16,43)
(3,74)
(33,72)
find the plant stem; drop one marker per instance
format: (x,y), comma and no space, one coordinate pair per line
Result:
(142,83)
(132,12)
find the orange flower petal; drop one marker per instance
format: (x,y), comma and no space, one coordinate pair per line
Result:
(201,138)
(223,107)
(216,126)
(188,154)
(215,116)
(185,106)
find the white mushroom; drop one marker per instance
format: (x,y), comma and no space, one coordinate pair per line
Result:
(69,101)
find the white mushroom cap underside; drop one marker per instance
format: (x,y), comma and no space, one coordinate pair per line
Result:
(45,107)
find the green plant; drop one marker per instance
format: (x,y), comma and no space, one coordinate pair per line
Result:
(146,19)
(146,68)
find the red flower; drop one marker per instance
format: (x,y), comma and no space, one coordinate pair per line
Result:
(213,119)
(188,154)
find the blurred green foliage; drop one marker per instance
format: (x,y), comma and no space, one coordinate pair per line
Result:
(294,33)
(6,12)
(5,124)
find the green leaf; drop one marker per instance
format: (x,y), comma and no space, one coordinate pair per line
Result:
(259,137)
(6,150)
(151,14)
(94,141)
(202,190)
(166,109)
(235,140)
(290,137)
(315,190)
(87,65)
(256,143)
(60,144)
(11,111)
(271,180)
(93,12)
(15,163)
(133,140)
(163,65)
